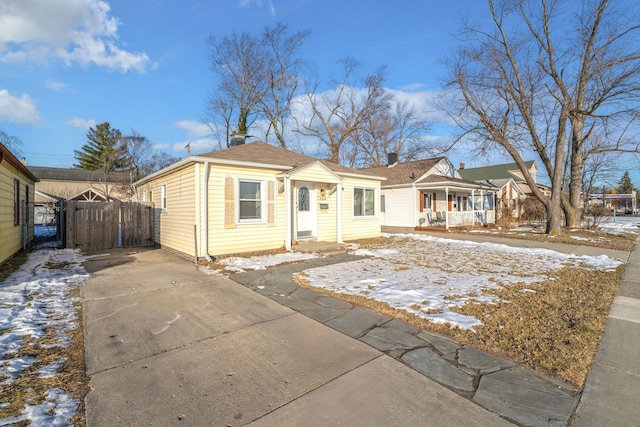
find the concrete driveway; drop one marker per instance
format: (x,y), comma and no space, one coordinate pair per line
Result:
(168,345)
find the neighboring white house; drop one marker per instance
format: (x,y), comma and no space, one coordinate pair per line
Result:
(254,197)
(431,193)
(511,188)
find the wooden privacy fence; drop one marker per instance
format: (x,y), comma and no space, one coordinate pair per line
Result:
(94,226)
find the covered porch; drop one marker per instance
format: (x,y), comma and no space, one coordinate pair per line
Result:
(455,204)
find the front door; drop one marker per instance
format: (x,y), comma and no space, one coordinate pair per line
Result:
(305,210)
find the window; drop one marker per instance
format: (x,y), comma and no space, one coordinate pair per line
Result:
(363,202)
(163,196)
(250,200)
(303,199)
(150,196)
(426,200)
(16,202)
(382,203)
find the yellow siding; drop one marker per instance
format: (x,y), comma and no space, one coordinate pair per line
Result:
(10,234)
(185,187)
(244,237)
(174,225)
(359,227)
(327,219)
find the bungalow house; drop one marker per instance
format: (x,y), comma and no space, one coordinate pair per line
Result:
(255,196)
(511,188)
(59,184)
(431,193)
(16,204)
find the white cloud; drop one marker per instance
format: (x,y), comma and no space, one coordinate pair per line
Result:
(82,123)
(17,109)
(74,31)
(260,3)
(194,128)
(54,85)
(160,147)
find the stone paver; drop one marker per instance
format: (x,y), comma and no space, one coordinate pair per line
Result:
(518,394)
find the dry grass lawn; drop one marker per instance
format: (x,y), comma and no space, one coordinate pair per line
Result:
(553,326)
(30,387)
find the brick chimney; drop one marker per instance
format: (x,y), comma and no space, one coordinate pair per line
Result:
(461,165)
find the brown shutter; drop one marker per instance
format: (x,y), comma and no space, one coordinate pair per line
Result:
(229,202)
(271,203)
(433,202)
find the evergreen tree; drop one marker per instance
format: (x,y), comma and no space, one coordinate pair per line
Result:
(102,150)
(625,186)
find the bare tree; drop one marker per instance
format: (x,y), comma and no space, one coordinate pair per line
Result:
(338,114)
(540,82)
(258,78)
(137,150)
(399,130)
(13,143)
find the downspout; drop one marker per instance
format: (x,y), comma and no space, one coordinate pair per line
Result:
(205,213)
(288,213)
(339,213)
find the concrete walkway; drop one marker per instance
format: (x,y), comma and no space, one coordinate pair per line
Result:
(611,395)
(167,345)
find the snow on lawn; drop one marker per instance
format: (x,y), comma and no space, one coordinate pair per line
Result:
(239,264)
(620,224)
(33,299)
(427,276)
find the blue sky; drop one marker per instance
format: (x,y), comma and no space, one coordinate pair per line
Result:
(66,65)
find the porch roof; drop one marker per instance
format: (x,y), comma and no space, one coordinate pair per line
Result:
(440,181)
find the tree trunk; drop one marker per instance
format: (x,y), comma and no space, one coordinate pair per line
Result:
(554,218)
(573,212)
(335,153)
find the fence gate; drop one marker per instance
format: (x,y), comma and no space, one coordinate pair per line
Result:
(94,226)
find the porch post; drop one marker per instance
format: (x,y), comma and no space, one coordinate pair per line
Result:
(339,213)
(473,208)
(446,212)
(288,213)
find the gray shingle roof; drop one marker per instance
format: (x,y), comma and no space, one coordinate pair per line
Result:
(403,173)
(78,175)
(262,153)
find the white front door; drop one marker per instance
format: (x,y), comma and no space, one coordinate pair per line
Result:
(305,210)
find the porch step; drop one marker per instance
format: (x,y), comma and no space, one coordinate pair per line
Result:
(323,248)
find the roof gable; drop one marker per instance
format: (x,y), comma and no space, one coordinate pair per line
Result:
(313,172)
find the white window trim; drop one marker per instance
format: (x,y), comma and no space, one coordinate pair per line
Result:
(263,201)
(375,205)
